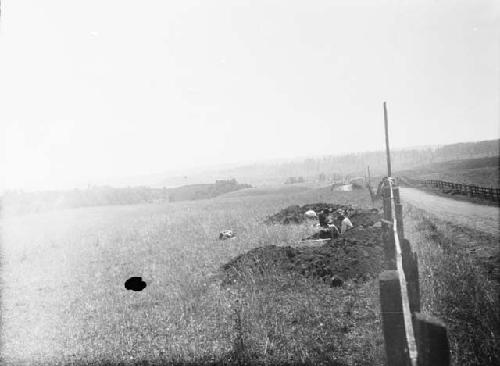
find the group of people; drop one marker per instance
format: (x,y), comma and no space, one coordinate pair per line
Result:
(342,220)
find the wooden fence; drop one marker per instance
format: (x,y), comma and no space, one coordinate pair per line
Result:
(411,338)
(492,194)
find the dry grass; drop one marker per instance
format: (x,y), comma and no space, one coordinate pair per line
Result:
(459,285)
(483,172)
(63,299)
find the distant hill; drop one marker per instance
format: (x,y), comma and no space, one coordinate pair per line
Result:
(345,166)
(482,171)
(18,202)
(201,191)
(424,161)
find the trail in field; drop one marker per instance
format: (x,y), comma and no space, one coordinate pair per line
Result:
(472,215)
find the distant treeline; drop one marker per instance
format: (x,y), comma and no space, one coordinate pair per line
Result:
(19,202)
(201,191)
(294,180)
(353,165)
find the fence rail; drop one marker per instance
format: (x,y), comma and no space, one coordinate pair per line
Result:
(470,190)
(411,338)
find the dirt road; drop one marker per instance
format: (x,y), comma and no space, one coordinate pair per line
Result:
(478,217)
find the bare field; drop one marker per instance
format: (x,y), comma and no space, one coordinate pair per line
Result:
(63,298)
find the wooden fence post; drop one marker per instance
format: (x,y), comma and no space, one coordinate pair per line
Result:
(387,202)
(387,148)
(398,208)
(398,211)
(410,268)
(395,193)
(387,230)
(389,246)
(432,341)
(393,322)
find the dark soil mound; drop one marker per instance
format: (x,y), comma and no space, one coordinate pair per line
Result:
(357,256)
(365,217)
(321,234)
(361,219)
(295,214)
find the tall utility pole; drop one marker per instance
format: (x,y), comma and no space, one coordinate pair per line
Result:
(386,123)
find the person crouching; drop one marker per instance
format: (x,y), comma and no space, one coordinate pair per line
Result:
(323,218)
(345,224)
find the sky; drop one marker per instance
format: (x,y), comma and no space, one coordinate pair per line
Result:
(91,90)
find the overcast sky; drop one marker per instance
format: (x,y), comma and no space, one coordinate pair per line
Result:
(99,88)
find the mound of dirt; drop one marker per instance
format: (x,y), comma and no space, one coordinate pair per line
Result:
(321,234)
(365,217)
(296,214)
(357,256)
(360,219)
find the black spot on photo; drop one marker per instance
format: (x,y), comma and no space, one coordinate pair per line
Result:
(135,284)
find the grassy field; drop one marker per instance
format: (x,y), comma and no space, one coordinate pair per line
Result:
(460,284)
(483,172)
(63,298)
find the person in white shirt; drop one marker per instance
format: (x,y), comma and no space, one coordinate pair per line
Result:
(345,225)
